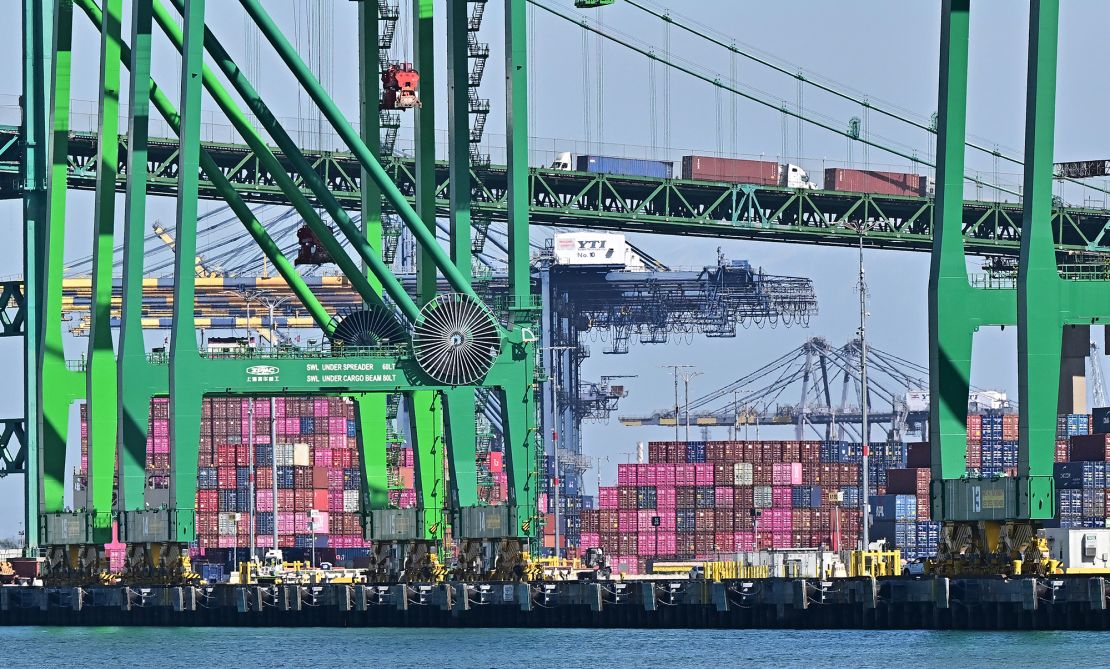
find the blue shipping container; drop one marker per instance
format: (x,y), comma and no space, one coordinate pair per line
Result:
(635,167)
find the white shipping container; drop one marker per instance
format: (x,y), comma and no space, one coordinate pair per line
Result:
(302,455)
(350,501)
(742,473)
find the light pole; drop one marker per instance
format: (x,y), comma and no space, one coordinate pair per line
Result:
(555,438)
(865,501)
(675,369)
(686,376)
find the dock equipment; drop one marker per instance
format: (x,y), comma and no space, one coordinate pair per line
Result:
(435,350)
(989,525)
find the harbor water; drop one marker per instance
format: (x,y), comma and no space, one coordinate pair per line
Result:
(563,648)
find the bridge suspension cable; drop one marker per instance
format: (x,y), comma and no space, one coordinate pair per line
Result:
(864,102)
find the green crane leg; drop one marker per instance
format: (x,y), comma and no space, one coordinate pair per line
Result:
(138,379)
(226,191)
(424,413)
(366,159)
(458,404)
(423,41)
(370,410)
(956,309)
(1041,293)
(518,417)
(277,171)
(59,387)
(516,132)
(370,413)
(100,378)
(186,375)
(37,31)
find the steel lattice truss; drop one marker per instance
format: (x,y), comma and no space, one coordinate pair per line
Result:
(609,202)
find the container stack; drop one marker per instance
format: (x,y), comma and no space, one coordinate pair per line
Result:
(571,505)
(699,500)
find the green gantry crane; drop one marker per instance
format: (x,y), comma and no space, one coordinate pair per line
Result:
(436,349)
(989,525)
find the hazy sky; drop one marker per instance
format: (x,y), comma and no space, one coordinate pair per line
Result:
(885,50)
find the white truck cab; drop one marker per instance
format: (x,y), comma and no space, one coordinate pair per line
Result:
(795,177)
(564,161)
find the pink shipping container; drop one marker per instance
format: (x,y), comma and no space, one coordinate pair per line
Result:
(703,474)
(731,170)
(285,522)
(589,540)
(627,521)
(667,542)
(320,407)
(645,544)
(643,518)
(781,539)
(321,524)
(786,473)
(685,475)
(647,475)
(879,183)
(321,457)
(744,541)
(665,498)
(626,475)
(782,497)
(723,497)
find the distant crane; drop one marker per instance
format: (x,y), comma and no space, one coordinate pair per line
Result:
(202,271)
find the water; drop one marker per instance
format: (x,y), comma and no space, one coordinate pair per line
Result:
(204,648)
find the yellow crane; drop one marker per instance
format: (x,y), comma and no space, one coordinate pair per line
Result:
(202,271)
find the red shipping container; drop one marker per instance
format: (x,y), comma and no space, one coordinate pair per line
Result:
(1090,448)
(908,481)
(871,181)
(731,170)
(320,500)
(919,455)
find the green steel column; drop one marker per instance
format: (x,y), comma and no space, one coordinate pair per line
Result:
(516,132)
(371,408)
(950,333)
(518,402)
(459,406)
(186,374)
(59,386)
(100,389)
(370,416)
(368,161)
(461,432)
(423,46)
(458,133)
(369,112)
(138,379)
(424,416)
(226,191)
(274,167)
(1040,290)
(38,24)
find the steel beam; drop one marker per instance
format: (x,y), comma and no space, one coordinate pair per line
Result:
(139,379)
(266,118)
(516,133)
(424,131)
(369,162)
(186,376)
(101,375)
(956,309)
(59,386)
(38,26)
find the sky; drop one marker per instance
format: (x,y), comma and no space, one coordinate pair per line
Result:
(600,100)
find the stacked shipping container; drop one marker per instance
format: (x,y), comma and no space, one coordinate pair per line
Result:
(698,500)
